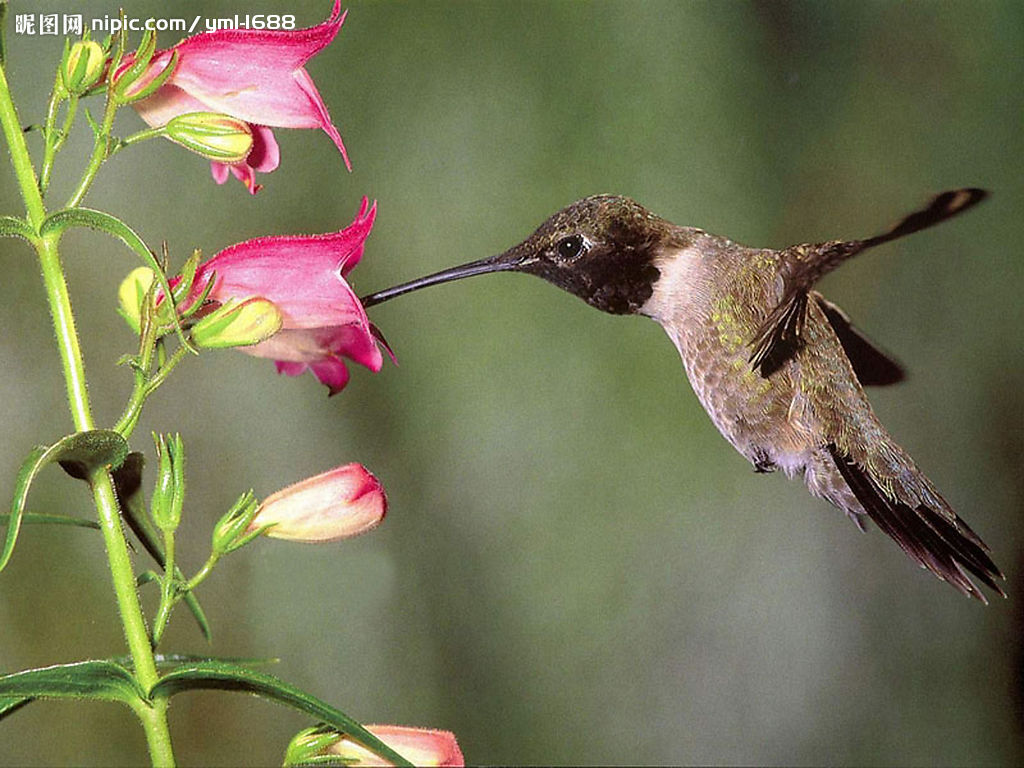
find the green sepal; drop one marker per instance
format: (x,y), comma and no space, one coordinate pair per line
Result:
(143,56)
(220,675)
(305,746)
(98,680)
(113,226)
(128,482)
(12,226)
(80,454)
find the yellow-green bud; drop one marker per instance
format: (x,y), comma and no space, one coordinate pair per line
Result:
(238,323)
(217,137)
(131,294)
(82,66)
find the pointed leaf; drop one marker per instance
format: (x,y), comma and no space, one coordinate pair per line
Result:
(11,226)
(11,704)
(99,680)
(40,518)
(222,675)
(83,451)
(113,226)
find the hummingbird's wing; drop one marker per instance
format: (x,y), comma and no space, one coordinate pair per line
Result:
(857,465)
(872,366)
(779,336)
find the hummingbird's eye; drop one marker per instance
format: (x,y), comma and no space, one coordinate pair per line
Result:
(570,247)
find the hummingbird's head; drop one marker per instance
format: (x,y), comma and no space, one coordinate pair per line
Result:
(601,248)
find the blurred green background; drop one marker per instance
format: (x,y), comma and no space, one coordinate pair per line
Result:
(576,567)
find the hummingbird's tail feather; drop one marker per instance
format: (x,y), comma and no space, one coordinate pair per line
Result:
(778,338)
(930,533)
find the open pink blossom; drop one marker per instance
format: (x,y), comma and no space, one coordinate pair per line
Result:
(338,504)
(254,75)
(304,276)
(420,746)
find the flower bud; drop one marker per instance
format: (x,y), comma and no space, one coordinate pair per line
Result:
(82,66)
(131,293)
(420,746)
(335,505)
(238,323)
(216,137)
(169,493)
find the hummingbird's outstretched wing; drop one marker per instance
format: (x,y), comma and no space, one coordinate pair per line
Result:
(873,367)
(779,336)
(931,534)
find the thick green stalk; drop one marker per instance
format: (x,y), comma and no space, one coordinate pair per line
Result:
(153,718)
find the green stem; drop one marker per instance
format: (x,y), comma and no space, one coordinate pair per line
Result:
(49,139)
(202,573)
(168,592)
(100,152)
(143,389)
(154,717)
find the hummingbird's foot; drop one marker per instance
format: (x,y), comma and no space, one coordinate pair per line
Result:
(763,464)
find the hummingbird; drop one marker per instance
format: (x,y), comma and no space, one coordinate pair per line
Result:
(779,368)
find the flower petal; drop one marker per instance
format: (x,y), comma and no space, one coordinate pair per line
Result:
(299,273)
(338,504)
(420,746)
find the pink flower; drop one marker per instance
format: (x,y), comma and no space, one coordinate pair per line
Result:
(253,75)
(303,275)
(338,504)
(420,746)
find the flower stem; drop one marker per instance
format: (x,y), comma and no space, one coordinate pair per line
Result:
(153,717)
(100,152)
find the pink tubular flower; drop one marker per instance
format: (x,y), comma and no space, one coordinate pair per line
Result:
(303,275)
(338,504)
(254,75)
(420,746)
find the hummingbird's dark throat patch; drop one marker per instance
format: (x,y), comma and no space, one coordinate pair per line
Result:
(618,282)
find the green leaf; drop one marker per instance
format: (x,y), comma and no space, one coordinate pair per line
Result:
(128,481)
(174,660)
(113,226)
(39,518)
(11,226)
(80,452)
(11,704)
(99,680)
(220,675)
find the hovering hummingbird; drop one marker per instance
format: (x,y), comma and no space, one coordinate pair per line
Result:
(779,368)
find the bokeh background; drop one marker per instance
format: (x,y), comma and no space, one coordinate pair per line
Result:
(576,567)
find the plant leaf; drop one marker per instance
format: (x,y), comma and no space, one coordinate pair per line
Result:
(11,704)
(99,680)
(221,675)
(79,452)
(113,226)
(11,226)
(41,518)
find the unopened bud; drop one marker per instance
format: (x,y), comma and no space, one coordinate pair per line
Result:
(216,137)
(131,294)
(238,323)
(420,746)
(82,66)
(338,504)
(169,492)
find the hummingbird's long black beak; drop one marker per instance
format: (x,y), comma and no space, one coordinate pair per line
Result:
(508,261)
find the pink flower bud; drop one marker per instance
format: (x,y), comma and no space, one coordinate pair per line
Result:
(420,746)
(335,505)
